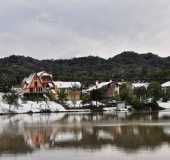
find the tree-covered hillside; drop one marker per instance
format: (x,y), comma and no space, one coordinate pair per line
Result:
(127,65)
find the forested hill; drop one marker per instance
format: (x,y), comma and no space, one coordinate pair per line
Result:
(127,65)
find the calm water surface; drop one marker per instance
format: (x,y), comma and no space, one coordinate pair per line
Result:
(82,136)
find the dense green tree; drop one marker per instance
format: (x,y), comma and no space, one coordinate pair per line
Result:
(5,83)
(96,95)
(135,102)
(154,91)
(11,98)
(125,92)
(140,92)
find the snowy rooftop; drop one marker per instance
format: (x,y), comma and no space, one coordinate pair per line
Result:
(43,73)
(138,85)
(62,84)
(97,86)
(166,84)
(29,79)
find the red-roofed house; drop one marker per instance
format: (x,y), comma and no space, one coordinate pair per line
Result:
(40,82)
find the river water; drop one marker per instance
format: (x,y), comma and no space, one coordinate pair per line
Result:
(85,136)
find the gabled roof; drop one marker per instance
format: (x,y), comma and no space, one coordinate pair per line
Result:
(64,85)
(29,79)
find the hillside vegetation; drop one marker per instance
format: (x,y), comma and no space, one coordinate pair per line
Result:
(127,65)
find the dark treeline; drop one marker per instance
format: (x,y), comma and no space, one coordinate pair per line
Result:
(127,65)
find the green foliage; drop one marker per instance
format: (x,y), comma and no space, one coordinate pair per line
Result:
(154,91)
(34,97)
(85,98)
(135,102)
(62,95)
(51,97)
(5,83)
(96,95)
(140,92)
(11,98)
(116,98)
(127,65)
(125,92)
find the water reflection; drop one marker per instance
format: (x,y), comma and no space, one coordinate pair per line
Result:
(126,132)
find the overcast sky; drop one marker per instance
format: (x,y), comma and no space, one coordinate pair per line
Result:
(73,28)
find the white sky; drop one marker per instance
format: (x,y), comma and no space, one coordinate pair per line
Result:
(72,28)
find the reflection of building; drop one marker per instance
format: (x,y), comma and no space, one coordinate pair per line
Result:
(37,137)
(84,131)
(65,135)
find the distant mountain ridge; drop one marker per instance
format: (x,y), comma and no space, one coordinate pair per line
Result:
(127,65)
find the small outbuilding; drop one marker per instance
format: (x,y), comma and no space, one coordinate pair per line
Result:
(166,86)
(71,89)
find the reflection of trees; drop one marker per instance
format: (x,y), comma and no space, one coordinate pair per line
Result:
(85,131)
(143,116)
(14,144)
(89,139)
(129,138)
(136,137)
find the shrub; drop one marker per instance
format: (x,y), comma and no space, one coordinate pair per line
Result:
(62,95)
(11,98)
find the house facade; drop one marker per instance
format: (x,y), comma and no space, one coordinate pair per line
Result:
(71,89)
(165,86)
(109,89)
(40,82)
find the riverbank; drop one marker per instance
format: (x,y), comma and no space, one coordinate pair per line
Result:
(28,106)
(24,107)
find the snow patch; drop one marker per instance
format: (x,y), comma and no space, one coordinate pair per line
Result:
(30,106)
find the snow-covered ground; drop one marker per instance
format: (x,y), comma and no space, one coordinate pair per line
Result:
(78,104)
(51,106)
(164,105)
(41,106)
(29,106)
